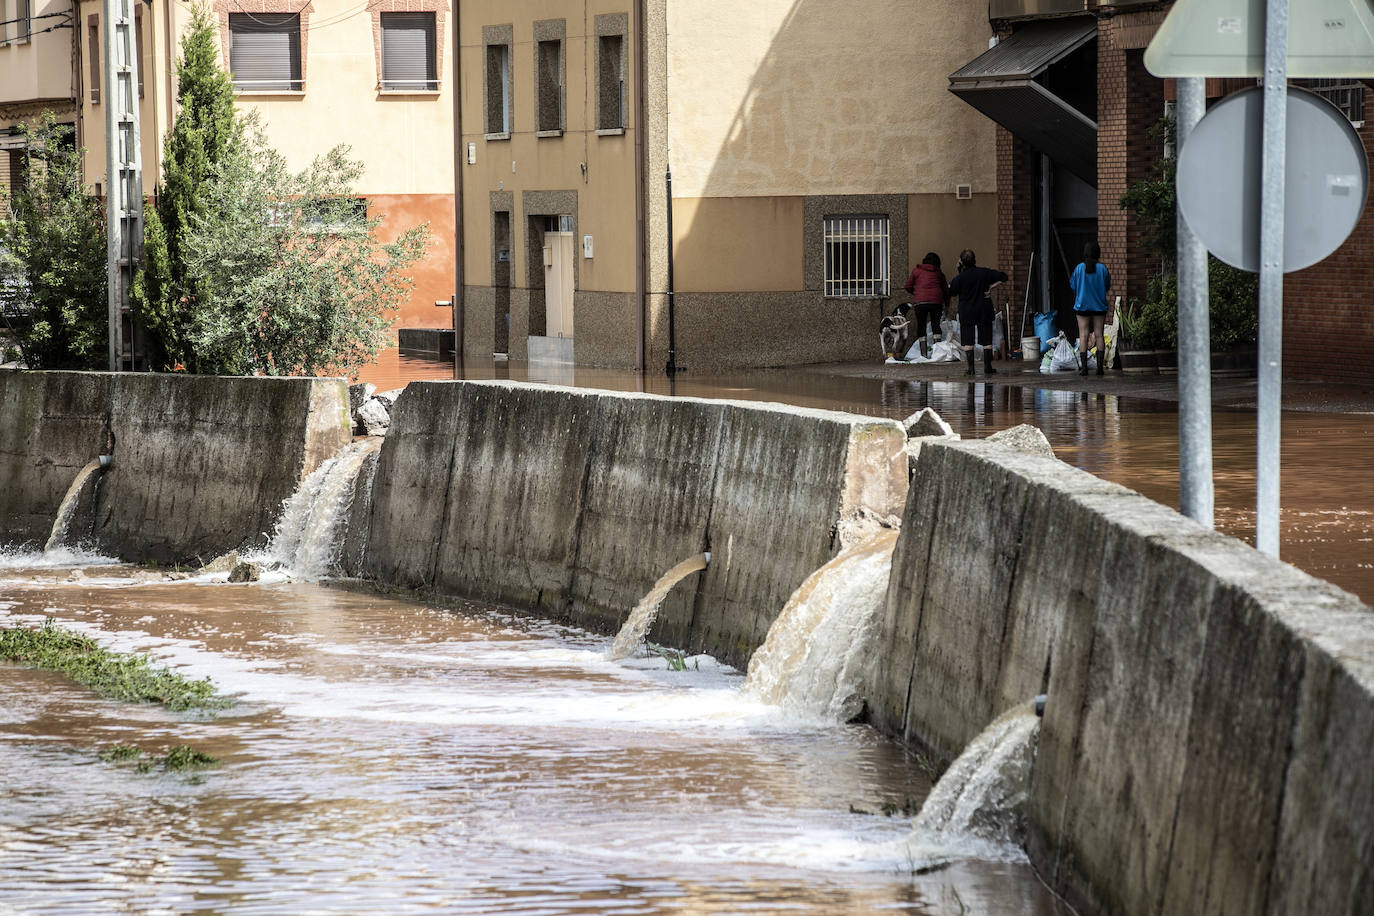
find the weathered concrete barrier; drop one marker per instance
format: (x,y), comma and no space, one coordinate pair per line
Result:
(201,464)
(574,502)
(1211,710)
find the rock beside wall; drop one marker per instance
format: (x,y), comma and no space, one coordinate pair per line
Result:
(201,464)
(574,502)
(1204,747)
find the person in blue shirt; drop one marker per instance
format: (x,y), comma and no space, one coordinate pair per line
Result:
(1090,282)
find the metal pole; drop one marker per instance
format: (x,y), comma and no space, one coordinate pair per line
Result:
(1271,275)
(1044,233)
(112,193)
(1195,492)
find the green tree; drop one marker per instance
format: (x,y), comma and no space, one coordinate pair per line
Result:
(163,295)
(52,256)
(291,278)
(251,268)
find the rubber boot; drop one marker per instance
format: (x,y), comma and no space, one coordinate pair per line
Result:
(1082,362)
(987,362)
(969,371)
(1101,359)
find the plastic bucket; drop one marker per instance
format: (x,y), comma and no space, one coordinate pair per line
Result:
(1030,348)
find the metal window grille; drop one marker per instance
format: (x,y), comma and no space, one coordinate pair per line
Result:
(1345,94)
(265,51)
(408,59)
(856,257)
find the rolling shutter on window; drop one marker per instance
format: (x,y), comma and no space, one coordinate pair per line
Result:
(265,50)
(408,51)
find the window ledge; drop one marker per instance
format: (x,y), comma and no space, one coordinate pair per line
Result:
(272,93)
(547,134)
(610,132)
(503,135)
(411,93)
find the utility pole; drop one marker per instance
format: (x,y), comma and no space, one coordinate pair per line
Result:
(123,176)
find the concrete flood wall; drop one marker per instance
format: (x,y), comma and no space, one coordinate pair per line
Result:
(574,502)
(201,465)
(1205,746)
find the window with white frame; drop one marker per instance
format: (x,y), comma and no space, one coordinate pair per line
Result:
(498,89)
(408,52)
(856,257)
(265,51)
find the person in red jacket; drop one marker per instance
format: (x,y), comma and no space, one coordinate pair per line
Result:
(929,295)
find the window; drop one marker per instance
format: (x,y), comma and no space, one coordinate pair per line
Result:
(336,215)
(498,90)
(1346,94)
(265,51)
(550,102)
(93,40)
(138,46)
(856,256)
(610,76)
(408,58)
(19,27)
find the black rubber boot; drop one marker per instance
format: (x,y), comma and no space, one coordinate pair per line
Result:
(987,362)
(1101,359)
(969,371)
(1082,362)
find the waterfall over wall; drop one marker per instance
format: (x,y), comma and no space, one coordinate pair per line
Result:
(312,528)
(67,511)
(815,652)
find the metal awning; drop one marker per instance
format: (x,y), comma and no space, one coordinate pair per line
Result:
(1001,83)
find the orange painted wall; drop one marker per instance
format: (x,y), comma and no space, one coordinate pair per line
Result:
(434,273)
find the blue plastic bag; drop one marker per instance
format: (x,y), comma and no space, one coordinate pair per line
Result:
(1045,329)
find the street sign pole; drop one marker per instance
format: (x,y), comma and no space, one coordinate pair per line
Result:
(1195,489)
(1270,369)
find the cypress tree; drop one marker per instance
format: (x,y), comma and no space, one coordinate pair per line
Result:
(164,295)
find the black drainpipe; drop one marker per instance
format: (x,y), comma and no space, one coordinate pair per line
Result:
(671,368)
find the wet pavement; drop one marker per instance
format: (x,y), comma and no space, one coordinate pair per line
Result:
(1120,427)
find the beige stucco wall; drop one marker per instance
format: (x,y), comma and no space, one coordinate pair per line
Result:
(39,67)
(708,253)
(404,140)
(526,162)
(946,225)
(791,97)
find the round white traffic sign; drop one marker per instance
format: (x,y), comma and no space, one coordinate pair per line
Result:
(1325,183)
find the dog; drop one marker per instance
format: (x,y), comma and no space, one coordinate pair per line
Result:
(893,331)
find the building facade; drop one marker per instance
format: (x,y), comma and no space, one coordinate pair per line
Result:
(1075,107)
(319,72)
(800,159)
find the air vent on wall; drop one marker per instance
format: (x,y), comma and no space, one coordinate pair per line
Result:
(963,191)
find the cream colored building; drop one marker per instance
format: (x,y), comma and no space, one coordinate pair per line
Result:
(814,151)
(36,72)
(376,76)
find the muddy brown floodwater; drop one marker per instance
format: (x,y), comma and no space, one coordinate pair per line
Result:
(393,757)
(1326,520)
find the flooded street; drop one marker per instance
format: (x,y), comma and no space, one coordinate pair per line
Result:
(1327,499)
(393,757)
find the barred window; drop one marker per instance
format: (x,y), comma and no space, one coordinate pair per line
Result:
(856,257)
(1345,94)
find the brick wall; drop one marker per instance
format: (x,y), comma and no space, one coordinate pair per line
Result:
(1016,173)
(1129,103)
(1328,309)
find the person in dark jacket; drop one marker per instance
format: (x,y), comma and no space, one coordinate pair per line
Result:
(972,284)
(929,295)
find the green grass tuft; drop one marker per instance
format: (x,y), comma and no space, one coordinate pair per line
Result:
(183,757)
(115,675)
